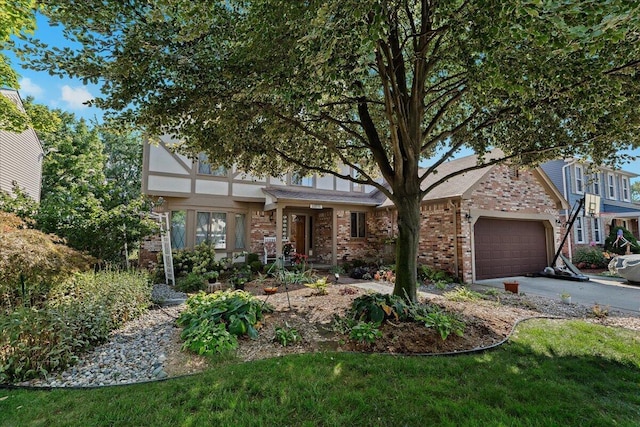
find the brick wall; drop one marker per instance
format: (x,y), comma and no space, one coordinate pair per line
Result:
(261,226)
(150,248)
(322,244)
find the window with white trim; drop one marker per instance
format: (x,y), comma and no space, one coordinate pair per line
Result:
(611,186)
(595,180)
(358,224)
(597,234)
(579,230)
(625,189)
(579,179)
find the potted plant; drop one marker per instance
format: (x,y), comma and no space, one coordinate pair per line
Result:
(565,297)
(511,286)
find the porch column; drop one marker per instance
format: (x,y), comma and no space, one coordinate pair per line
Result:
(278,231)
(334,237)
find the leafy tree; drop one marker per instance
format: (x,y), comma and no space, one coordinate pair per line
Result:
(385,86)
(18,19)
(81,174)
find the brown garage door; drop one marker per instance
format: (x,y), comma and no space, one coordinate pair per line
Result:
(506,248)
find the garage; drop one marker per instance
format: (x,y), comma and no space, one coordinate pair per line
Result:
(505,248)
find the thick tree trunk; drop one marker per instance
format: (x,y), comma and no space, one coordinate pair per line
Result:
(407,247)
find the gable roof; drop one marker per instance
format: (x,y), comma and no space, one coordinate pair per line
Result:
(461,186)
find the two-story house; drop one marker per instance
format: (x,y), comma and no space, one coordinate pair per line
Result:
(574,178)
(493,222)
(20,156)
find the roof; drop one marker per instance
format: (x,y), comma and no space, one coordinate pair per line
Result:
(456,186)
(322,196)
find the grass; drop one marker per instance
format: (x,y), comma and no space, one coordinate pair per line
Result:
(567,373)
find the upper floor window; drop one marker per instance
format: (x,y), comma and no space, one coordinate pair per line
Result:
(595,180)
(579,172)
(579,230)
(204,167)
(625,189)
(358,224)
(355,186)
(304,181)
(611,186)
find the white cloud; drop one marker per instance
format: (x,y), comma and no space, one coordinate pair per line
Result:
(75,96)
(29,88)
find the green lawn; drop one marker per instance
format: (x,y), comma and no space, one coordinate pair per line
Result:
(551,373)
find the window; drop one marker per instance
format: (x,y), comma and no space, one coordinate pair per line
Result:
(625,189)
(355,185)
(358,224)
(178,229)
(579,187)
(579,230)
(611,186)
(596,183)
(211,227)
(597,235)
(240,232)
(304,181)
(204,167)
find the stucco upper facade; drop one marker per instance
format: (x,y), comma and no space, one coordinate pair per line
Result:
(20,156)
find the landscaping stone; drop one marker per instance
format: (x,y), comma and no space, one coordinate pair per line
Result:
(134,353)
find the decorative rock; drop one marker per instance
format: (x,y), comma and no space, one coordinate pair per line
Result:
(135,353)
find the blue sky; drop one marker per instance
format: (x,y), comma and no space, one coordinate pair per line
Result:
(52,91)
(69,94)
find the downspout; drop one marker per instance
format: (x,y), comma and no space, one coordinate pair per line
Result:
(567,213)
(455,237)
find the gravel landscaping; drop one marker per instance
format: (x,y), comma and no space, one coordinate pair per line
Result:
(147,348)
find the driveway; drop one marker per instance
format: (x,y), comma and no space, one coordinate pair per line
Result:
(605,291)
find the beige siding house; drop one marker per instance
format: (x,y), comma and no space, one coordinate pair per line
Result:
(20,156)
(493,222)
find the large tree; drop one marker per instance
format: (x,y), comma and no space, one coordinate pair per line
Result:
(384,86)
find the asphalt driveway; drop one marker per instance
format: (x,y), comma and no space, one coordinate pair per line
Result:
(608,292)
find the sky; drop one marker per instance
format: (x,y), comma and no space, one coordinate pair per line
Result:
(55,92)
(70,94)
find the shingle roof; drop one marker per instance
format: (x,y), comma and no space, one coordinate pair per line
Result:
(458,185)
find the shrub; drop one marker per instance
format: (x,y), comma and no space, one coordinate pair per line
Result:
(192,282)
(31,262)
(590,256)
(437,277)
(237,311)
(76,315)
(462,293)
(619,249)
(376,307)
(200,260)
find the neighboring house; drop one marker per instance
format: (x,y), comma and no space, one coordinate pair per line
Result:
(20,157)
(494,222)
(574,178)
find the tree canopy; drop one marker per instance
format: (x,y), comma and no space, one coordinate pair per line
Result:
(385,86)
